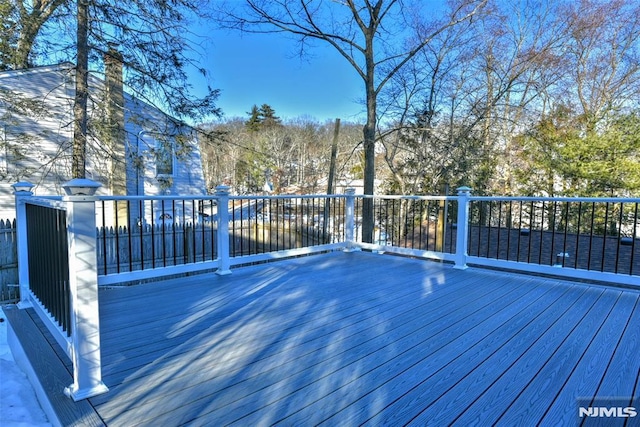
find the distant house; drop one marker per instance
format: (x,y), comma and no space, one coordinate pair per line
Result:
(132,148)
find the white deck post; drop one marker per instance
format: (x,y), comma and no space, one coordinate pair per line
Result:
(222,192)
(462,236)
(22,190)
(350,220)
(83,284)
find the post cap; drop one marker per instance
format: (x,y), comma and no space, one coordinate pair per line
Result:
(81,187)
(222,189)
(22,187)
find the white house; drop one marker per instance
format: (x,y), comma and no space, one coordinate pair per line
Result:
(132,148)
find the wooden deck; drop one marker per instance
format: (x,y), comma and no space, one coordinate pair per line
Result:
(361,338)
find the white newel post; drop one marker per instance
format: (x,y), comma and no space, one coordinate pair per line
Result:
(22,190)
(83,284)
(222,192)
(462,236)
(350,220)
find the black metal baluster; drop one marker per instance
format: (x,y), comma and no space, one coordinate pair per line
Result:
(117,237)
(553,223)
(579,226)
(566,227)
(499,228)
(618,237)
(542,227)
(104,238)
(564,239)
(634,236)
(129,235)
(141,230)
(591,231)
(604,237)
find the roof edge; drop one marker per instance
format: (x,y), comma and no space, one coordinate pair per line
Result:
(63,66)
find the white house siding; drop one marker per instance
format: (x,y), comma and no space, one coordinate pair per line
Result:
(50,134)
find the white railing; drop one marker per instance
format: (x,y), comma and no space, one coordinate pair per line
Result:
(66,296)
(581,238)
(124,239)
(140,238)
(595,239)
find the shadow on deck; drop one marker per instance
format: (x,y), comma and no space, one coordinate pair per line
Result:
(360,338)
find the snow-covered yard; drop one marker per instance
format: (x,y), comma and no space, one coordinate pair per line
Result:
(19,406)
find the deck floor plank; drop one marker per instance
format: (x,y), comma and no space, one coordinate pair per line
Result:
(346,339)
(543,335)
(394,377)
(322,326)
(348,305)
(241,302)
(310,357)
(509,384)
(594,371)
(583,357)
(387,377)
(498,351)
(379,358)
(415,389)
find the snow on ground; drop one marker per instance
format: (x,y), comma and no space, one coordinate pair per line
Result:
(19,406)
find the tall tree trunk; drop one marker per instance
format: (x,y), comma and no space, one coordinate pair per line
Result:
(369,137)
(369,132)
(78,167)
(25,44)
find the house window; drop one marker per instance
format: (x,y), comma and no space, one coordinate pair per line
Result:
(164,159)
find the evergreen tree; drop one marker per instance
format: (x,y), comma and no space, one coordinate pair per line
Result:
(561,159)
(262,118)
(253,124)
(268,116)
(8,37)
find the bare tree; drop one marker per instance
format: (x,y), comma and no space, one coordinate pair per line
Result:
(468,94)
(582,141)
(603,54)
(370,35)
(78,169)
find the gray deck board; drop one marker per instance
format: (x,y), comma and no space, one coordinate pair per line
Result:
(361,338)
(438,340)
(429,379)
(533,400)
(377,359)
(595,363)
(502,380)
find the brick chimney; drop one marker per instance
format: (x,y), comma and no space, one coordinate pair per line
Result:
(115,127)
(113,83)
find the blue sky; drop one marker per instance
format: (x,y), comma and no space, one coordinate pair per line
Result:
(264,69)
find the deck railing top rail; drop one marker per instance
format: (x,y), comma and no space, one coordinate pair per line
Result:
(406,197)
(211,197)
(47,201)
(288,196)
(559,199)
